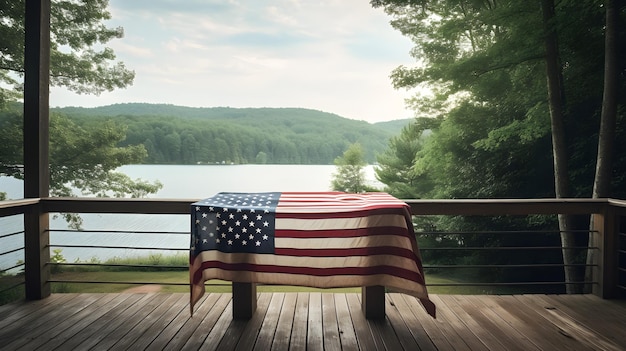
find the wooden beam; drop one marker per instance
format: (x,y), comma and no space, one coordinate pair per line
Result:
(244,300)
(36,144)
(373,301)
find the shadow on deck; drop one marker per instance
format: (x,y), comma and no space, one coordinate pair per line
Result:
(313,321)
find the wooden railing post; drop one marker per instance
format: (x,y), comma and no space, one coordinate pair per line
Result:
(604,237)
(36,144)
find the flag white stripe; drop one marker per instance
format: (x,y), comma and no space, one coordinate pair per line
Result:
(317,262)
(340,281)
(371,242)
(341,223)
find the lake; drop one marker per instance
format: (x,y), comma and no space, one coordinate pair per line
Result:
(179,182)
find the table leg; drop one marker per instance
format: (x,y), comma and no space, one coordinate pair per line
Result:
(244,300)
(373,301)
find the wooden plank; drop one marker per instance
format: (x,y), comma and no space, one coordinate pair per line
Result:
(300,323)
(596,314)
(364,335)
(556,319)
(400,327)
(468,317)
(66,328)
(208,323)
(315,334)
(344,322)
(25,312)
(170,324)
(330,327)
(268,328)
(193,323)
(454,331)
(99,319)
(148,327)
(413,324)
(219,329)
(128,328)
(434,328)
(537,329)
(108,325)
(488,314)
(575,323)
(285,322)
(20,334)
(242,333)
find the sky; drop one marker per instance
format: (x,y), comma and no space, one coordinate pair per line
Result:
(329,55)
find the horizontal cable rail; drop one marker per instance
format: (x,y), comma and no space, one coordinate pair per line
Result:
(11,234)
(454,207)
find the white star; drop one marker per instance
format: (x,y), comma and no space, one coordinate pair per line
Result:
(251,237)
(251,224)
(244,243)
(224,235)
(258,230)
(266,224)
(258,243)
(230,229)
(218,215)
(265,237)
(224,222)
(217,241)
(237,236)
(244,230)
(259,217)
(230,242)
(231,216)
(204,228)
(245,216)
(237,223)
(204,214)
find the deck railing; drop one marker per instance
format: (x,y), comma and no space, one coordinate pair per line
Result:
(607,240)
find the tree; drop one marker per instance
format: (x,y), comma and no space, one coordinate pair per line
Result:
(82,161)
(350,176)
(396,166)
(507,76)
(76,29)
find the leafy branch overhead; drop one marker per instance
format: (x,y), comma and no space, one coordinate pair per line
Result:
(79,59)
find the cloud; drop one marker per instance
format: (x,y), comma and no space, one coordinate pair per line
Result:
(329,55)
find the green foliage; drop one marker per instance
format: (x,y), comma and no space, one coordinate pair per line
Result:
(79,60)
(350,176)
(185,135)
(82,158)
(396,165)
(484,63)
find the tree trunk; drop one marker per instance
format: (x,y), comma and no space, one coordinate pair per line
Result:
(608,118)
(559,144)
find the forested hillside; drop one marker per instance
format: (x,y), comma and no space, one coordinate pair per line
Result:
(187,135)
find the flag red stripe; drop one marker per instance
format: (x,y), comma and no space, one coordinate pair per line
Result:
(358,251)
(339,233)
(319,272)
(282,212)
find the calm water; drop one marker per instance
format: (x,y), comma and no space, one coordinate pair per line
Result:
(179,181)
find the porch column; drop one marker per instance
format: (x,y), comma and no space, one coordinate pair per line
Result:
(605,238)
(36,145)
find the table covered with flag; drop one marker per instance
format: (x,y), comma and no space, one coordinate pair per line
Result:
(315,239)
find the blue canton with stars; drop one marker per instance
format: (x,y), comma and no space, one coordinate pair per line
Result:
(234,222)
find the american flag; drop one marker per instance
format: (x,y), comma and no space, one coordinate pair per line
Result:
(324,240)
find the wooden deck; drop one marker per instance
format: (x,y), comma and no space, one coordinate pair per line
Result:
(313,321)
